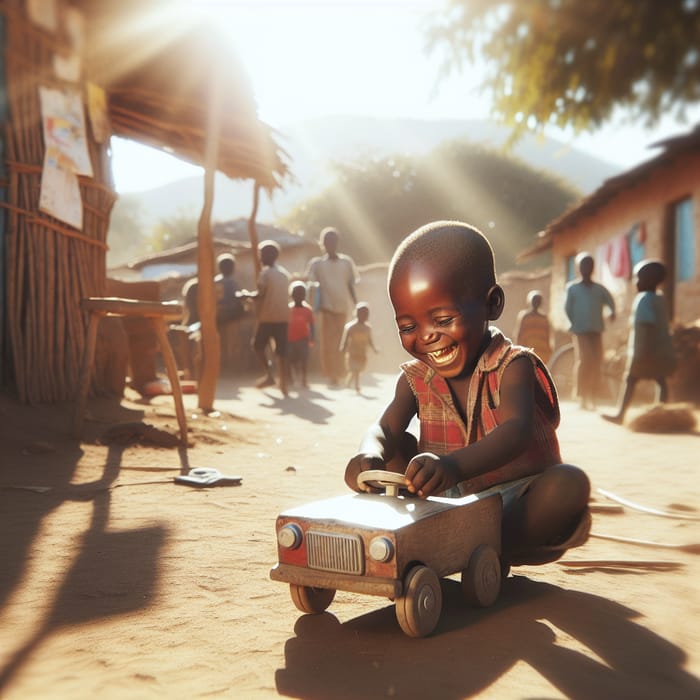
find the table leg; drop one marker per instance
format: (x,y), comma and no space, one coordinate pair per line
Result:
(85,373)
(171,368)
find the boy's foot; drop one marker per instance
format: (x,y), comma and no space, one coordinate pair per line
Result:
(264,381)
(617,420)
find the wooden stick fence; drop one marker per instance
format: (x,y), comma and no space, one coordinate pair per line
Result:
(50,266)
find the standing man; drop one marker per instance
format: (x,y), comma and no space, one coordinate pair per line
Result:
(334,276)
(584,304)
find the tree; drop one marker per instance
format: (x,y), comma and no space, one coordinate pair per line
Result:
(125,234)
(173,231)
(572,62)
(376,203)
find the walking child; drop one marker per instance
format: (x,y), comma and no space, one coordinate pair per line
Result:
(532,329)
(272,308)
(356,338)
(488,410)
(650,352)
(584,303)
(301,333)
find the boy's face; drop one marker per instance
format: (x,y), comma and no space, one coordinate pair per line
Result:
(444,332)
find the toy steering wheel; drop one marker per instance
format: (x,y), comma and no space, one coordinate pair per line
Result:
(391,482)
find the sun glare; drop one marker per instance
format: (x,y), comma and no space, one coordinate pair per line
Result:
(310,58)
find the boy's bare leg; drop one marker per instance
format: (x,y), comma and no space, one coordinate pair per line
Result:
(284,374)
(267,379)
(630,383)
(663,389)
(546,515)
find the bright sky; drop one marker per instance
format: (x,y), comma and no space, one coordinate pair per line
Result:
(312,58)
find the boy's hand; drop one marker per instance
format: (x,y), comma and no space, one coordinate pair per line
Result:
(427,474)
(361,463)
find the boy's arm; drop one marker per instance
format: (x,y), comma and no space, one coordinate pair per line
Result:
(609,302)
(382,440)
(352,280)
(569,305)
(643,341)
(342,347)
(429,474)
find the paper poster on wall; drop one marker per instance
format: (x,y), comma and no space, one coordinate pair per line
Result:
(97,111)
(63,119)
(60,193)
(44,13)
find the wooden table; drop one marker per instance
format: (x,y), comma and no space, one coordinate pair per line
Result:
(155,311)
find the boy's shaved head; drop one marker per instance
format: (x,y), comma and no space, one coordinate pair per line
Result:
(460,254)
(651,271)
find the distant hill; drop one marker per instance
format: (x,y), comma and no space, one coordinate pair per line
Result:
(314,144)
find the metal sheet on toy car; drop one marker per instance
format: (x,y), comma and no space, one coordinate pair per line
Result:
(373,511)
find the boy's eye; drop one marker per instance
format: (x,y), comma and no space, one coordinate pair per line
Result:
(407,328)
(444,320)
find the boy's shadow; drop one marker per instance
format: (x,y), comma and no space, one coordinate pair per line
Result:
(471,649)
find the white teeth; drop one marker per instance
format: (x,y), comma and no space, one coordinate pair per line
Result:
(444,356)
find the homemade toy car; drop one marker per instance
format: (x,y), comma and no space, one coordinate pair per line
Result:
(391,545)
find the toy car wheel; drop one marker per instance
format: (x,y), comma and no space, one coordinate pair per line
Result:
(311,600)
(418,609)
(481,580)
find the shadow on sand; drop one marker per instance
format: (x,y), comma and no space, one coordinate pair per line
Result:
(369,657)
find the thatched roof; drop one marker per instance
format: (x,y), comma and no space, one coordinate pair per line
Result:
(158,71)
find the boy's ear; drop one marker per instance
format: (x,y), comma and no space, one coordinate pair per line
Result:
(495,300)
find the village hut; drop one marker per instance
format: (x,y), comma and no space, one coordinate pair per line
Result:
(74,74)
(648,211)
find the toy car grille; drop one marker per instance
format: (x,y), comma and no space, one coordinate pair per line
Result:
(333,552)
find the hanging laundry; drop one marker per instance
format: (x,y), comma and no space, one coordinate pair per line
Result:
(618,257)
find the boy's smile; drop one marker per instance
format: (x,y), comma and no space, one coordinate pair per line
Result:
(443,332)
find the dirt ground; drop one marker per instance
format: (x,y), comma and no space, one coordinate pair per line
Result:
(116,582)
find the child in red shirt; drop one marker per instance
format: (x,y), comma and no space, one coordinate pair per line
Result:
(301,331)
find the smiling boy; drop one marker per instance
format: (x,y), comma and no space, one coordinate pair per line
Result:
(488,409)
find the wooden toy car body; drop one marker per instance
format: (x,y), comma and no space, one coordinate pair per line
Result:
(393,546)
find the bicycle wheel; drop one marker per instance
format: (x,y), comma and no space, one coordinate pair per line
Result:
(561,367)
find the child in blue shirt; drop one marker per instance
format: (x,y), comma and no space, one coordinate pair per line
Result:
(649,350)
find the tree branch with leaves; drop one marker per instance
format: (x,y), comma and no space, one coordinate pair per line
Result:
(574,62)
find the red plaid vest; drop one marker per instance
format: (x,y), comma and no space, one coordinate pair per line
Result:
(442,429)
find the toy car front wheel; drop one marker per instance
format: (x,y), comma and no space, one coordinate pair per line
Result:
(481,580)
(311,600)
(418,609)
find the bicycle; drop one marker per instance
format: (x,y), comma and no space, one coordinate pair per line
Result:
(561,367)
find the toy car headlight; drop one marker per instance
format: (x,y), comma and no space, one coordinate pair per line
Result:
(381,549)
(289,536)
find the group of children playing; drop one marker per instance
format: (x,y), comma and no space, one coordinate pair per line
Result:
(291,325)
